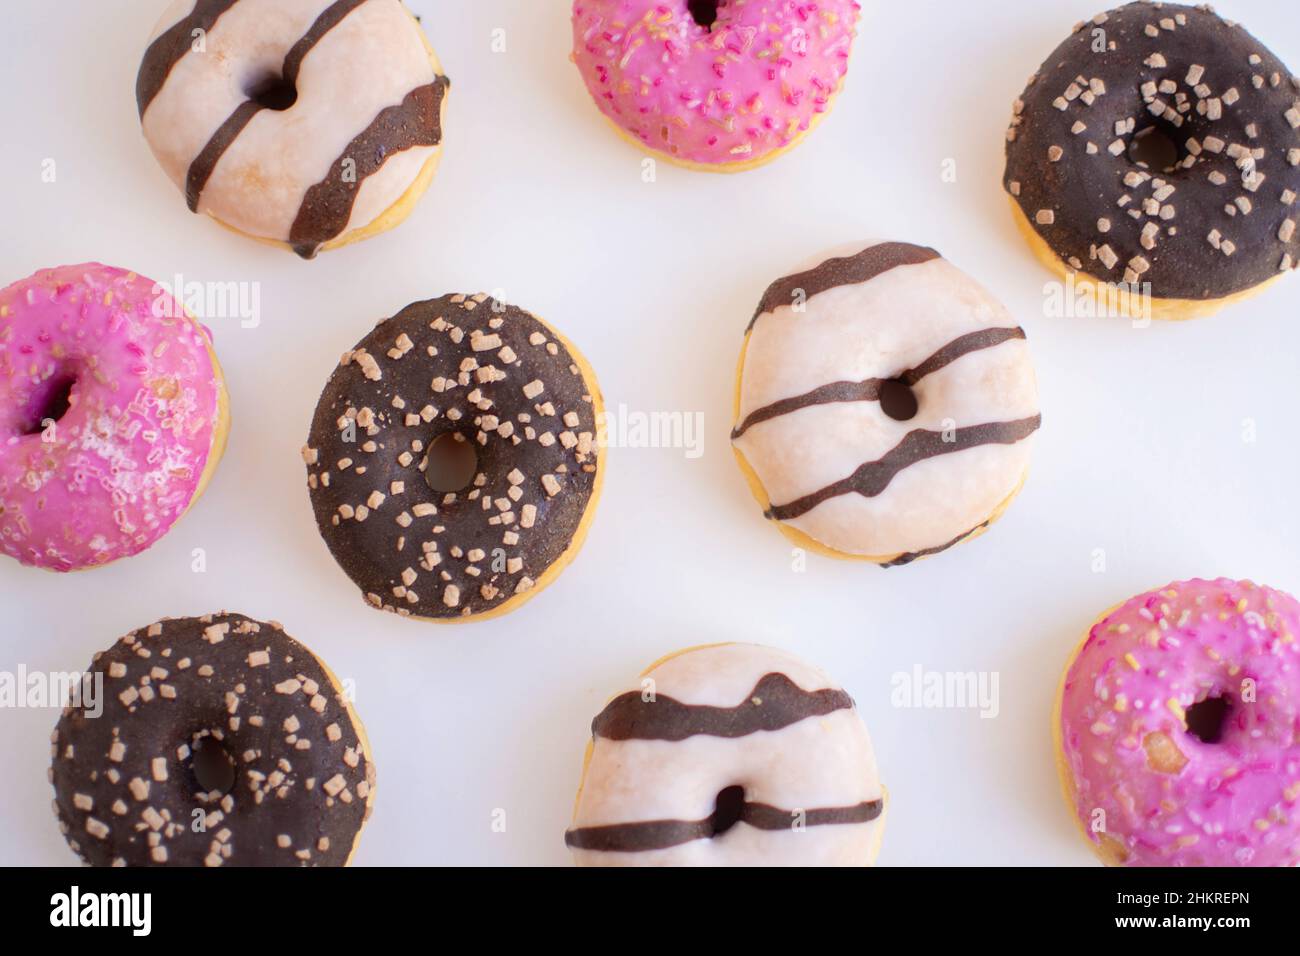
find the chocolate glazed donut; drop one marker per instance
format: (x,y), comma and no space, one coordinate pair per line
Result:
(1161,144)
(222,741)
(488,375)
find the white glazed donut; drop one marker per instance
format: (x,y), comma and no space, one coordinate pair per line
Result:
(307,123)
(885,404)
(729,755)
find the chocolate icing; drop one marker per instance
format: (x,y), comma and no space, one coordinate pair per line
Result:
(870,389)
(504,381)
(327,207)
(124,781)
(1204,60)
(775,702)
(200,170)
(846,270)
(329,18)
(661,834)
(171,45)
(871,478)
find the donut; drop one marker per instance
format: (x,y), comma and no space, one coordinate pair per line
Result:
(422,532)
(885,404)
(1154,160)
(113,415)
(308,124)
(222,742)
(1175,728)
(729,755)
(715,85)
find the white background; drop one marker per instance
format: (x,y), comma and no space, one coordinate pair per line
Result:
(1141,452)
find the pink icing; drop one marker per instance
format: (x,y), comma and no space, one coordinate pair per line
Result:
(730,94)
(1233,803)
(125,460)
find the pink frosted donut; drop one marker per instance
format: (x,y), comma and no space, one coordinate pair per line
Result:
(714,84)
(1178,728)
(113,415)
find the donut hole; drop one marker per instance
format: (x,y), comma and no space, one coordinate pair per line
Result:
(214,768)
(450,464)
(705,12)
(728,808)
(1153,148)
(1207,719)
(897,400)
(273,93)
(51,403)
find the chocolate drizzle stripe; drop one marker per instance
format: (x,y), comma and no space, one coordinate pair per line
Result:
(871,478)
(775,702)
(847,270)
(331,17)
(662,834)
(869,390)
(327,207)
(201,169)
(171,46)
(962,345)
(911,556)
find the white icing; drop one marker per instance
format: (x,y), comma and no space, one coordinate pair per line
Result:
(815,763)
(369,61)
(248,41)
(878,329)
(383,188)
